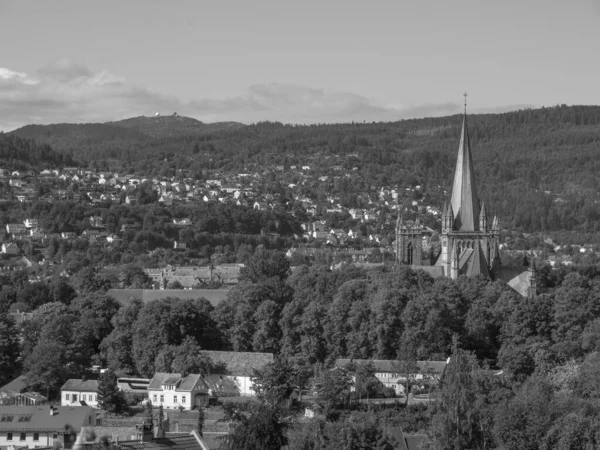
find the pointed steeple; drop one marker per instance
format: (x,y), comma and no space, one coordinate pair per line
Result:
(464,201)
(483,223)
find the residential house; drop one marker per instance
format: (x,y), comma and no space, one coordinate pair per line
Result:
(35,426)
(236,379)
(68,235)
(182,222)
(261,206)
(10,248)
(394,374)
(179,245)
(16,228)
(31,223)
(79,393)
(173,391)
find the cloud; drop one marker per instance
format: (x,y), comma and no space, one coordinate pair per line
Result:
(64,91)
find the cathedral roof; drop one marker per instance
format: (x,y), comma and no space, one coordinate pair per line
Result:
(464,201)
(477,263)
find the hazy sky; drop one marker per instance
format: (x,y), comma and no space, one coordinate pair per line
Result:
(292,61)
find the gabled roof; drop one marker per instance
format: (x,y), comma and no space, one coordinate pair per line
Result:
(464,201)
(80,385)
(184,384)
(477,263)
(39,418)
(240,363)
(392,366)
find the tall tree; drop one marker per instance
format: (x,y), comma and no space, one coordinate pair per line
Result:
(110,398)
(10,348)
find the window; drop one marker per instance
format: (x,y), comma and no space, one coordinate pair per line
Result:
(162,398)
(183,399)
(9,436)
(23,436)
(24,418)
(154,398)
(36,436)
(6,419)
(174,399)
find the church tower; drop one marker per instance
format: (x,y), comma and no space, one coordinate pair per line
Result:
(469,243)
(409,242)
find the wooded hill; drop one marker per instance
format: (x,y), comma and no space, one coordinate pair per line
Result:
(536,168)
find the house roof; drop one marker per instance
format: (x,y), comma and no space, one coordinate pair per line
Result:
(39,418)
(16,385)
(386,365)
(189,442)
(240,363)
(80,385)
(185,384)
(125,296)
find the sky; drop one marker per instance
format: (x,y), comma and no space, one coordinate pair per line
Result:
(303,61)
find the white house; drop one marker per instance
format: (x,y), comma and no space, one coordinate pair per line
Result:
(10,248)
(31,223)
(392,375)
(173,391)
(236,379)
(79,393)
(41,426)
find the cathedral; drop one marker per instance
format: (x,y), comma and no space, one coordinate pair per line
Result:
(468,242)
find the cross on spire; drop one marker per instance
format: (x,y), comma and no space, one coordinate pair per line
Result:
(465,95)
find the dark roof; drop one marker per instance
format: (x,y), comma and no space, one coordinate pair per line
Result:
(386,365)
(240,363)
(189,442)
(80,385)
(182,384)
(40,418)
(16,385)
(124,296)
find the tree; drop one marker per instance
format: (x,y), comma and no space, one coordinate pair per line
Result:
(263,429)
(274,382)
(200,426)
(117,347)
(10,348)
(455,422)
(160,432)
(110,398)
(46,367)
(265,264)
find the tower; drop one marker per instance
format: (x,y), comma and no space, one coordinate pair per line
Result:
(409,242)
(469,243)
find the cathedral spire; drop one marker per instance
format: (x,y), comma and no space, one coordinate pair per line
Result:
(464,201)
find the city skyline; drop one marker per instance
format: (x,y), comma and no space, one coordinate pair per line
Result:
(292,62)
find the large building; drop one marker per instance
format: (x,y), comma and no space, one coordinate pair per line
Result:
(469,241)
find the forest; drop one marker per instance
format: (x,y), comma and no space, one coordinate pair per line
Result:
(547,346)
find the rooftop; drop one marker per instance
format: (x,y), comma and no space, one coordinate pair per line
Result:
(38,418)
(80,385)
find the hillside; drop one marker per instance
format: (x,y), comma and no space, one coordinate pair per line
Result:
(536,168)
(23,154)
(172,126)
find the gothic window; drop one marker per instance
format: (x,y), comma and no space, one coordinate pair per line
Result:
(409,253)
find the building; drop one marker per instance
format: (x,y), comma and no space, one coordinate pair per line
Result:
(79,393)
(16,228)
(42,426)
(173,391)
(469,240)
(394,374)
(10,248)
(236,379)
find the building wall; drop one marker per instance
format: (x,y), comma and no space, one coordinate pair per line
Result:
(90,398)
(44,439)
(172,399)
